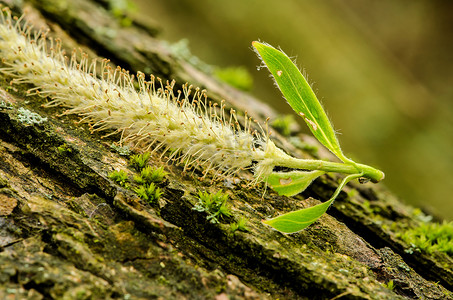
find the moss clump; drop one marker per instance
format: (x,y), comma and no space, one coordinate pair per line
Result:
(389,285)
(431,237)
(144,184)
(283,124)
(304,146)
(181,50)
(238,77)
(64,149)
(150,193)
(240,225)
(121,9)
(120,177)
(139,161)
(149,175)
(215,205)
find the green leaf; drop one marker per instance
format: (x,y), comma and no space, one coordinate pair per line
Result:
(291,183)
(297,220)
(300,96)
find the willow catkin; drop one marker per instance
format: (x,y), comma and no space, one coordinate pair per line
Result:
(152,116)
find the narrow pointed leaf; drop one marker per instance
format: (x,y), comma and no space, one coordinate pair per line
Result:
(291,183)
(299,219)
(299,95)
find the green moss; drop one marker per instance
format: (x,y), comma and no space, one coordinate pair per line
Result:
(120,177)
(431,237)
(149,175)
(352,193)
(139,180)
(240,225)
(146,189)
(150,193)
(297,142)
(139,161)
(421,216)
(64,149)
(163,280)
(283,124)
(390,285)
(215,205)
(181,50)
(121,9)
(238,77)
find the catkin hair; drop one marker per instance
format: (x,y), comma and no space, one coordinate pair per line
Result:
(192,130)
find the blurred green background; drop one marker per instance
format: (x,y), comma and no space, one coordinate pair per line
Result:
(382,69)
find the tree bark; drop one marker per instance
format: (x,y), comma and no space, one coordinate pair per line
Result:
(68,232)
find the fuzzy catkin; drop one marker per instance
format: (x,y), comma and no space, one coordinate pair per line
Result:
(196,132)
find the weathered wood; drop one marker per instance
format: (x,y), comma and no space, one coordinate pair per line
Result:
(67,231)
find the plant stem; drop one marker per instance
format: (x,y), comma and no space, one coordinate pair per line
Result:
(327,166)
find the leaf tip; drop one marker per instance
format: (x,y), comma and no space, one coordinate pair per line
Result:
(268,222)
(255,44)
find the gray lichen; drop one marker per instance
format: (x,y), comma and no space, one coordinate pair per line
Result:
(28,117)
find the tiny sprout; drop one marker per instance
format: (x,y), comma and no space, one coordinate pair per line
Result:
(150,174)
(119,177)
(239,225)
(139,161)
(138,179)
(389,285)
(63,149)
(149,193)
(215,205)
